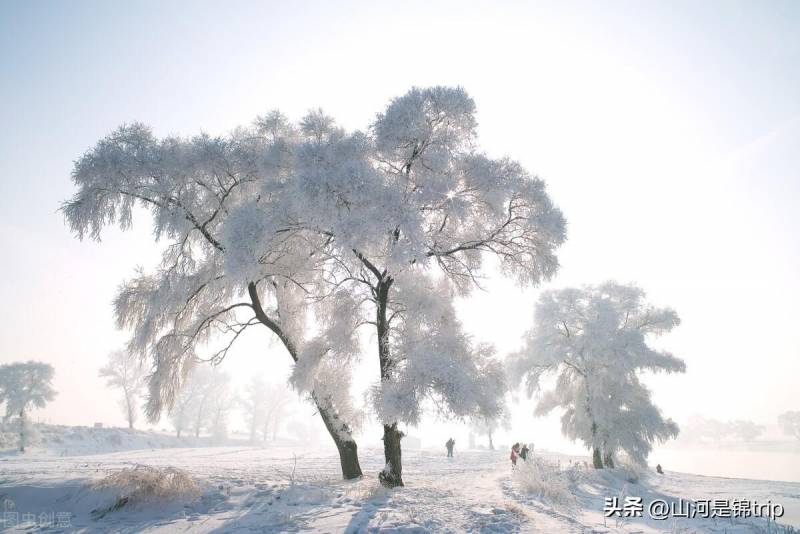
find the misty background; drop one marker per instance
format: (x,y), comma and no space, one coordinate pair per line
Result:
(667,133)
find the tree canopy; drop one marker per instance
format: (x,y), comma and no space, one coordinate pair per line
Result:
(282,223)
(594,340)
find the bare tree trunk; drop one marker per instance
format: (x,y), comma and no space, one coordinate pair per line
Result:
(128,404)
(608,459)
(253,432)
(491,445)
(348,450)
(392,474)
(597,461)
(22,430)
(198,424)
(345,444)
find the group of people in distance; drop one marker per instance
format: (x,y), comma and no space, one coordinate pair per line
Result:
(523,451)
(517,452)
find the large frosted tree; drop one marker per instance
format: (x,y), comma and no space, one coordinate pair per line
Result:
(125,372)
(191,308)
(408,211)
(24,386)
(594,340)
(280,224)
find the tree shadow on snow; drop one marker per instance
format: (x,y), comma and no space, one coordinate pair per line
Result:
(279,508)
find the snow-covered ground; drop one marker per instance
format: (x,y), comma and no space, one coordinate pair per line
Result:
(288,489)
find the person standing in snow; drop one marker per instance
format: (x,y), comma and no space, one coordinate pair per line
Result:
(450,444)
(514,454)
(524,453)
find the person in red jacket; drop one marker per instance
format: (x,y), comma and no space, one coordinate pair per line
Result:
(514,455)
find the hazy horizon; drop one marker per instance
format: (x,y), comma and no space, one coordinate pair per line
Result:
(669,135)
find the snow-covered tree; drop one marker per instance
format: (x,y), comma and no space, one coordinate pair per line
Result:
(700,429)
(264,406)
(203,402)
(183,412)
(594,340)
(202,382)
(488,426)
(790,423)
(192,306)
(408,211)
(746,430)
(280,223)
(124,371)
(277,404)
(254,405)
(180,412)
(24,386)
(220,403)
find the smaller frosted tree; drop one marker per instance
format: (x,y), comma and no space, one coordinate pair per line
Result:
(594,340)
(264,406)
(186,408)
(790,423)
(205,383)
(220,403)
(125,372)
(746,430)
(254,405)
(277,402)
(180,413)
(24,386)
(699,428)
(489,425)
(203,402)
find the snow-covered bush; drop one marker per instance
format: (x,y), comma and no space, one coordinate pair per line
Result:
(547,482)
(143,483)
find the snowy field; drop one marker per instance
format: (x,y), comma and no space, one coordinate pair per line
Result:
(245,489)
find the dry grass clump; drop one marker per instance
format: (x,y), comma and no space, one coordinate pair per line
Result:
(144,483)
(546,482)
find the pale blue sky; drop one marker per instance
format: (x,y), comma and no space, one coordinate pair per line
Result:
(668,133)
